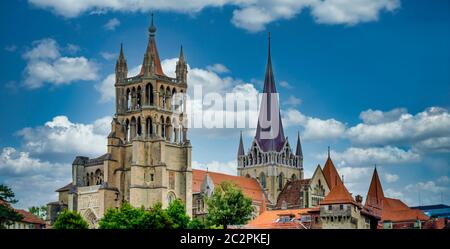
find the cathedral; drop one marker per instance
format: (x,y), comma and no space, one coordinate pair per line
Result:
(148,157)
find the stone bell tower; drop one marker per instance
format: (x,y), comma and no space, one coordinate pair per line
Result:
(149,139)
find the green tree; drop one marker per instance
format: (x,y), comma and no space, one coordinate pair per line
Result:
(40,212)
(158,218)
(128,217)
(196,224)
(228,206)
(177,212)
(7,214)
(70,220)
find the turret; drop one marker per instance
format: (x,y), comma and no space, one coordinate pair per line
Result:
(121,67)
(181,69)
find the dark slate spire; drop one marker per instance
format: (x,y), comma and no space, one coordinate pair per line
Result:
(241,147)
(270,134)
(299,151)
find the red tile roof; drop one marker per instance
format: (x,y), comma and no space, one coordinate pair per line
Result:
(396,211)
(338,195)
(268,219)
(389,209)
(30,218)
(250,186)
(375,195)
(331,174)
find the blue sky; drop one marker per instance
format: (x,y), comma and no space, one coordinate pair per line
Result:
(369,78)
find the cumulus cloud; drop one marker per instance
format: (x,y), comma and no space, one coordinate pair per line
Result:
(45,64)
(216,166)
(285,84)
(33,180)
(250,15)
(428,128)
(377,155)
(106,86)
(314,128)
(390,177)
(108,56)
(218,68)
(112,24)
(60,135)
(292,101)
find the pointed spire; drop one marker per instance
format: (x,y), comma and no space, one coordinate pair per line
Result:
(181,57)
(330,173)
(152,63)
(375,195)
(121,51)
(271,136)
(299,151)
(241,146)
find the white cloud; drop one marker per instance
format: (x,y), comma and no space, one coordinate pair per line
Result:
(11,48)
(250,15)
(351,12)
(43,49)
(399,127)
(377,117)
(46,65)
(72,48)
(292,101)
(285,84)
(314,128)
(392,193)
(32,180)
(112,24)
(355,174)
(390,177)
(106,86)
(108,56)
(215,166)
(378,155)
(60,135)
(218,68)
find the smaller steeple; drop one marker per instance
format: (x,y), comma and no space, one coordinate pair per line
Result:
(181,68)
(241,147)
(299,151)
(329,152)
(121,66)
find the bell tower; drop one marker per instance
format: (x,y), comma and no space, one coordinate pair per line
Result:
(148,140)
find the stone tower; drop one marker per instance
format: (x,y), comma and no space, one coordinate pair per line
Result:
(148,157)
(154,145)
(270,158)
